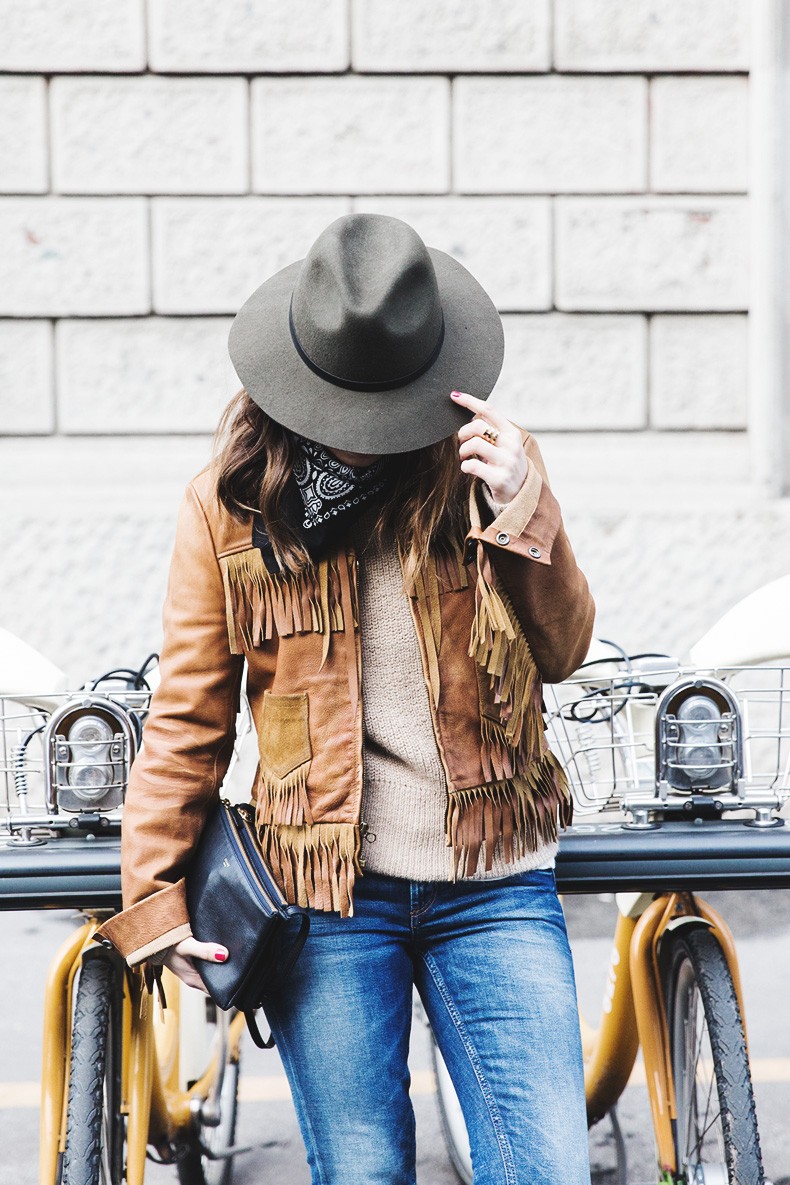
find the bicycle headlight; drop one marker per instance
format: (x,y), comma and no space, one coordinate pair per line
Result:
(698,737)
(91,744)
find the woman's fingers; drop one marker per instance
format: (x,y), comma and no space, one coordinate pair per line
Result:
(180,959)
(478,446)
(212,952)
(474,430)
(480,408)
(184,968)
(501,463)
(507,437)
(484,471)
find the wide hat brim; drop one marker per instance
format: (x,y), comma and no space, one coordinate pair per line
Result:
(395,420)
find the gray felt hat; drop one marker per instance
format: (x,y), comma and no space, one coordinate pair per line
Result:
(359,344)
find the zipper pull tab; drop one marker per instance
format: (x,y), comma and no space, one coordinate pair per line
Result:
(367,836)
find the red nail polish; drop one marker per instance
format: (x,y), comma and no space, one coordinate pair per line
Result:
(219,956)
(455,394)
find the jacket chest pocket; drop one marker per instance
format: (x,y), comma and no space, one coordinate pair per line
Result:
(284,736)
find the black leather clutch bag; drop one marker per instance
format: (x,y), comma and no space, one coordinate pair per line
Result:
(233,899)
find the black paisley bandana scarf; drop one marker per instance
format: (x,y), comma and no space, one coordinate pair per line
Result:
(323,497)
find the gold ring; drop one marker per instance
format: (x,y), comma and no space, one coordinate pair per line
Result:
(490,434)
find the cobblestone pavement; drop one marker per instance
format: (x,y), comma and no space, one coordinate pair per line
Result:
(762,926)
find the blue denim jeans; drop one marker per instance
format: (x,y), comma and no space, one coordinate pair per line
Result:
(493,968)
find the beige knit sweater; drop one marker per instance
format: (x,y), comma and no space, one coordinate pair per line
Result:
(404,787)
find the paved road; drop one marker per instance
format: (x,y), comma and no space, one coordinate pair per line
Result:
(761,922)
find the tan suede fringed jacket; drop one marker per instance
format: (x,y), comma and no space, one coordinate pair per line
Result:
(496,614)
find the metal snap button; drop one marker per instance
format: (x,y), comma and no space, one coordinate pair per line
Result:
(503,538)
(535,552)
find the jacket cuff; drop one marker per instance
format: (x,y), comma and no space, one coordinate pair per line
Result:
(159,945)
(526,526)
(149,925)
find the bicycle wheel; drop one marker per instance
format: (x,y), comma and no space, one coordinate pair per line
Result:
(452,1119)
(196,1164)
(716,1136)
(95,1129)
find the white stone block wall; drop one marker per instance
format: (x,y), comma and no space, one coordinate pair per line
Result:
(351,134)
(23,145)
(451,35)
(588,160)
(550,133)
(149,134)
(652,253)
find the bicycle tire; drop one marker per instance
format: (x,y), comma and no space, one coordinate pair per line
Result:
(94,1124)
(193,1166)
(702,1012)
(452,1123)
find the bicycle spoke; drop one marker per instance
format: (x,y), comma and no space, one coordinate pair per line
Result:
(707,1110)
(698,1094)
(697,1025)
(716,1130)
(692,1061)
(698,1086)
(704,1132)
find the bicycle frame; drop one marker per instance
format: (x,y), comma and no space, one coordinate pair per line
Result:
(634,1012)
(156,1106)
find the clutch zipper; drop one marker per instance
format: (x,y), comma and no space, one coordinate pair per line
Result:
(250,844)
(252,876)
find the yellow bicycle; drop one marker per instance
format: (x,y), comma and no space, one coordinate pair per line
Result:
(122,1081)
(682,775)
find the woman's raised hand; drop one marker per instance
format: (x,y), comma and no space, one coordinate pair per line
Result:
(180,959)
(491,448)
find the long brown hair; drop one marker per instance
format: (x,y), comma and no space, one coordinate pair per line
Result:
(254,455)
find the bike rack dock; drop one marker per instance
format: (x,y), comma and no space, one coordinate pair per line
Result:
(71,873)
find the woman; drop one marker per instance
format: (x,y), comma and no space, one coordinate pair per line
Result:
(385,554)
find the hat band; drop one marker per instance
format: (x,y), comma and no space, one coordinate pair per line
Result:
(352,384)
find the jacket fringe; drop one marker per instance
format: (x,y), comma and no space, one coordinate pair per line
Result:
(260,605)
(152,983)
(284,800)
(526,795)
(315,864)
(503,754)
(444,571)
(450,567)
(426,594)
(523,812)
(498,645)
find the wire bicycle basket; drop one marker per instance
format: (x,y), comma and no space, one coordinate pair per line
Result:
(666,742)
(65,759)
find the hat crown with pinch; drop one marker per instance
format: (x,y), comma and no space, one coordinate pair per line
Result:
(365,309)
